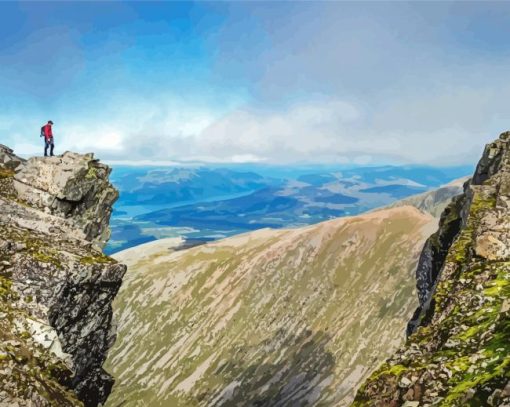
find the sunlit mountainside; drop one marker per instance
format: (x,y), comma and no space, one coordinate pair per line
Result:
(285,317)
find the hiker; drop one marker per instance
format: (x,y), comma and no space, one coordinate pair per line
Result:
(47,133)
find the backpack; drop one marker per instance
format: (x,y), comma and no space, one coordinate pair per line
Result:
(43,133)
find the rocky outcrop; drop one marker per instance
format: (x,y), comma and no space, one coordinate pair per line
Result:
(9,160)
(56,286)
(72,186)
(458,351)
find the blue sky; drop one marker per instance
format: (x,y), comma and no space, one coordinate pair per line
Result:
(277,82)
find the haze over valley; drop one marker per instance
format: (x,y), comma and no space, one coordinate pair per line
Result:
(208,203)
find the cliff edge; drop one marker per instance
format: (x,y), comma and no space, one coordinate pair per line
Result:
(458,349)
(56,286)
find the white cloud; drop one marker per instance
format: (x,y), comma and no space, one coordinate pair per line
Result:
(319,130)
(327,82)
(246,158)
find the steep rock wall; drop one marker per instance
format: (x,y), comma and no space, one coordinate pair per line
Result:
(56,285)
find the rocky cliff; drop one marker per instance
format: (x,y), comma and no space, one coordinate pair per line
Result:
(56,286)
(458,351)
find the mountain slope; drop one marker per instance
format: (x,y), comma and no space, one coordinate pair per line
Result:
(272,317)
(459,350)
(435,201)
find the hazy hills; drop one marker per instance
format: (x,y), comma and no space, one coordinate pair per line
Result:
(208,203)
(156,186)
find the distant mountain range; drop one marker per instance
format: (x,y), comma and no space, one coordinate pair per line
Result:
(142,186)
(203,204)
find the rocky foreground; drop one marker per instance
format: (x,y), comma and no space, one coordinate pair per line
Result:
(56,286)
(458,353)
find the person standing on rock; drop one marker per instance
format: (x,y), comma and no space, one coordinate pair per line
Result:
(47,133)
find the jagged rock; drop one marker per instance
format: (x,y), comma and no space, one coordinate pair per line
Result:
(461,328)
(432,258)
(8,160)
(71,186)
(56,286)
(405,382)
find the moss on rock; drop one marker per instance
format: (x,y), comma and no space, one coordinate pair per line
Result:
(461,357)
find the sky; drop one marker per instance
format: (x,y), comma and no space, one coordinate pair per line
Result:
(262,82)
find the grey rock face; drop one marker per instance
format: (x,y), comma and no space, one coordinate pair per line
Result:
(8,159)
(494,159)
(432,259)
(58,285)
(490,244)
(71,186)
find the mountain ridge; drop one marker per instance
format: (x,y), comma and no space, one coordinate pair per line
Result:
(435,201)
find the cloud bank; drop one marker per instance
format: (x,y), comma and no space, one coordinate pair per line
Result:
(357,83)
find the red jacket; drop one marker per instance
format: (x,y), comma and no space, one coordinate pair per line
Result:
(47,131)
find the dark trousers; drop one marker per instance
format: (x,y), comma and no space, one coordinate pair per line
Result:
(48,142)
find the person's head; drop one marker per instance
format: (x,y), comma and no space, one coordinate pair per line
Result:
(50,122)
